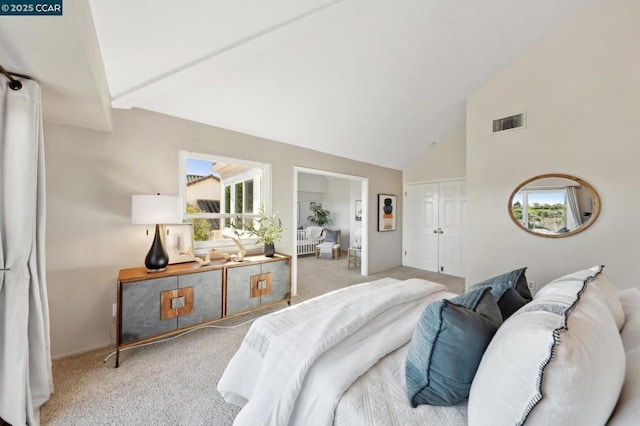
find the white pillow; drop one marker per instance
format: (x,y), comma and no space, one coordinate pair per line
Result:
(630,333)
(627,410)
(630,300)
(557,360)
(611,296)
(568,284)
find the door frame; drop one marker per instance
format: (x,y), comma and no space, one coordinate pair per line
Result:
(364,185)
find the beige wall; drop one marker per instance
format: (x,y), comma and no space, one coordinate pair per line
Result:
(91,176)
(580,89)
(446,160)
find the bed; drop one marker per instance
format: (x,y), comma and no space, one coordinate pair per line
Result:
(341,359)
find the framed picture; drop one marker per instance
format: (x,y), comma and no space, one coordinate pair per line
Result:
(387,212)
(359,210)
(179,238)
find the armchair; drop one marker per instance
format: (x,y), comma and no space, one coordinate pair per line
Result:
(329,246)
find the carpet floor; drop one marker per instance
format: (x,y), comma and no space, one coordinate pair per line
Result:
(174,382)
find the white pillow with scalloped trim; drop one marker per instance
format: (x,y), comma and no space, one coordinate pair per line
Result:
(611,294)
(568,283)
(557,360)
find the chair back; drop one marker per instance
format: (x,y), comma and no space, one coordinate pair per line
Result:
(315,233)
(329,233)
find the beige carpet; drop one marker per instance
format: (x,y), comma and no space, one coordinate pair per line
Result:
(174,382)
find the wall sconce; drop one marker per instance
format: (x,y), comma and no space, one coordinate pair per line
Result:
(156,210)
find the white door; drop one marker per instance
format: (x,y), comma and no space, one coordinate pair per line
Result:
(452,202)
(434,226)
(421,237)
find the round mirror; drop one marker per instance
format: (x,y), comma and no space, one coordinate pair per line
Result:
(554,205)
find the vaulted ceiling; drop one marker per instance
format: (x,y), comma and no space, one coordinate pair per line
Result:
(372,80)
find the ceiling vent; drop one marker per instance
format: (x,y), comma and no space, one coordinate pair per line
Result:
(508,123)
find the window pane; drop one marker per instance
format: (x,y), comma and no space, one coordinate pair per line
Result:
(227,204)
(248,188)
(202,194)
(201,229)
(238,200)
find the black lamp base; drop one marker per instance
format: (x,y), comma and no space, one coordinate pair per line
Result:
(157,259)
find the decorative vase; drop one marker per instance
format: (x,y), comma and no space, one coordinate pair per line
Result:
(269,249)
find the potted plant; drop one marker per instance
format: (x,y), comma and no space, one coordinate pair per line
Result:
(320,216)
(266,229)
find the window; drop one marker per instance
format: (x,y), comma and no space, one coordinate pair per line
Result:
(216,191)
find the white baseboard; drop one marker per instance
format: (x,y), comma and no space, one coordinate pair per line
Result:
(82,351)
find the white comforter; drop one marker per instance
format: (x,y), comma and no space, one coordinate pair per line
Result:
(379,397)
(296,374)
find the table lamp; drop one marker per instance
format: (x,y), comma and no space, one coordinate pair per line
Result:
(156,210)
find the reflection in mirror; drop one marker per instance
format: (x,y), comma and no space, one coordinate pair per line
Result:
(554,205)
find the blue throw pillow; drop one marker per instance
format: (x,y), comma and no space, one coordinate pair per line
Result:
(447,346)
(510,290)
(330,236)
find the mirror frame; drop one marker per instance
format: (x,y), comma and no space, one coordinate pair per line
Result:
(594,213)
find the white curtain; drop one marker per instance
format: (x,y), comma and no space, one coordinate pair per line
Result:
(574,219)
(25,356)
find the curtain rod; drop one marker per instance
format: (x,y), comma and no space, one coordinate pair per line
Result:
(13,83)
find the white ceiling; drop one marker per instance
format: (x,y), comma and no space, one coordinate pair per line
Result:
(63,55)
(372,80)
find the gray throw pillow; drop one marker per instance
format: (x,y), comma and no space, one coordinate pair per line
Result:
(510,290)
(330,236)
(447,346)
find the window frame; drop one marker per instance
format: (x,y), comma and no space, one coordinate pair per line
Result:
(263,198)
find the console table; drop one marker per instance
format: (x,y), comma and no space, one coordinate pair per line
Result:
(189,295)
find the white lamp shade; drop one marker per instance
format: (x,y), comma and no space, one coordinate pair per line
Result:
(156,209)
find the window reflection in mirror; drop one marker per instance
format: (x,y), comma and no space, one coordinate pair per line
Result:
(554,205)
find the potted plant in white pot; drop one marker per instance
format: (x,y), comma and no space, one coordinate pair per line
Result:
(266,229)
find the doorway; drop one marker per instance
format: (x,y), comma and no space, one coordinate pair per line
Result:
(351,225)
(434,221)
